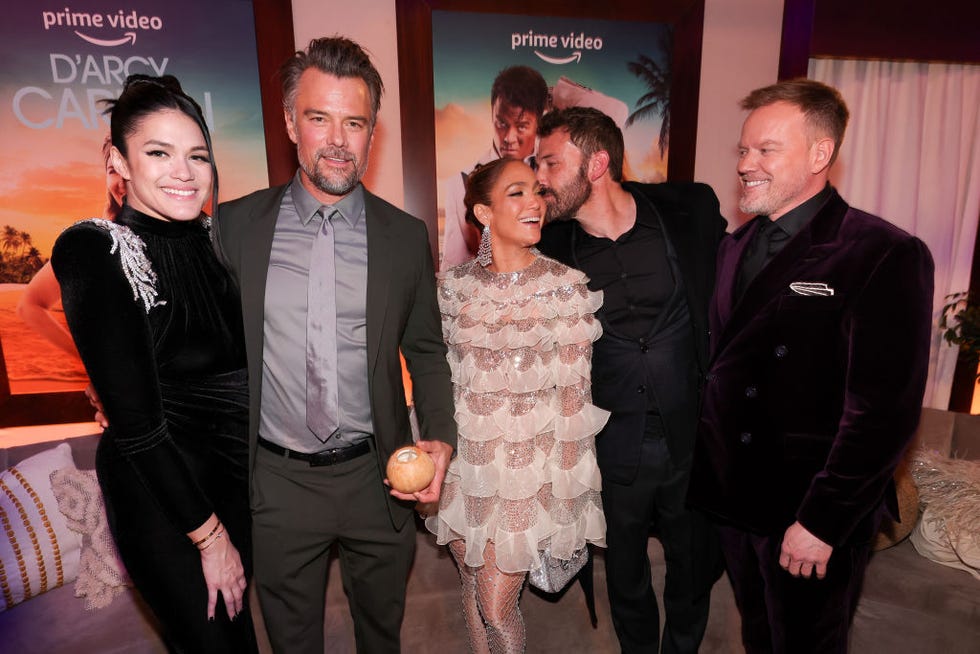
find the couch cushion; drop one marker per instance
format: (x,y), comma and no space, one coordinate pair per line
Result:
(38,552)
(910,604)
(58,622)
(935,431)
(966,438)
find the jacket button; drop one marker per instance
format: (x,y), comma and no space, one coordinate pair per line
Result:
(641,389)
(751,392)
(781,351)
(710,377)
(644,348)
(745,437)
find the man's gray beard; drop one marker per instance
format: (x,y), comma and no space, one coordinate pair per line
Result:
(756,207)
(562,218)
(566,206)
(745,207)
(333,187)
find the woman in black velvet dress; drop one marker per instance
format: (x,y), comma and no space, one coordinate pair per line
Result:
(157,321)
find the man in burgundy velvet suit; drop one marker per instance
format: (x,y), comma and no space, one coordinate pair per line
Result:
(820,340)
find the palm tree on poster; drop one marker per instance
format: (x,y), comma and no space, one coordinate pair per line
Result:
(656,101)
(10,239)
(26,243)
(33,260)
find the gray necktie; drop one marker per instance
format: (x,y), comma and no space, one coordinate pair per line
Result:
(322,404)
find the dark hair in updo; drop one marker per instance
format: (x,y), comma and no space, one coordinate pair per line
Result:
(479,185)
(143,95)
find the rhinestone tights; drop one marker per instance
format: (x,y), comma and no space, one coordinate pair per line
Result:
(491,606)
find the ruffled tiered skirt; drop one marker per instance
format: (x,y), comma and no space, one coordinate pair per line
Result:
(525,476)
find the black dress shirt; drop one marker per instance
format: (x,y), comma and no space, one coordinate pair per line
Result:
(632,272)
(773,235)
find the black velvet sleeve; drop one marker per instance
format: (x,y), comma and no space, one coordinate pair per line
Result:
(112,332)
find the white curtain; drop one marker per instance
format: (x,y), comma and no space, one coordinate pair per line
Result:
(911,154)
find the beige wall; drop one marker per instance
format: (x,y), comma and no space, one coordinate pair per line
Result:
(741,52)
(372,24)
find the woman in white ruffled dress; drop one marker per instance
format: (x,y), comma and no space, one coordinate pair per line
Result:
(520,329)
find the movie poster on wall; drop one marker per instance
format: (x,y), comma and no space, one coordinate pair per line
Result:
(58,62)
(621,68)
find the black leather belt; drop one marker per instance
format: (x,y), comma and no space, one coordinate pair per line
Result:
(324,458)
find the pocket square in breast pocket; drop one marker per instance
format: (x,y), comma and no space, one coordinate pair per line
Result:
(811,288)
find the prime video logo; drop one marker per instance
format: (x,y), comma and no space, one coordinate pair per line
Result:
(84,23)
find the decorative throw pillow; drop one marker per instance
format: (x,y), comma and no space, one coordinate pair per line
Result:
(101,576)
(38,552)
(949,491)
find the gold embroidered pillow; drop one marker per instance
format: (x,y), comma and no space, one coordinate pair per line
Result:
(38,552)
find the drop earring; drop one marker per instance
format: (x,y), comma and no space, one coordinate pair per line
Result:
(483,255)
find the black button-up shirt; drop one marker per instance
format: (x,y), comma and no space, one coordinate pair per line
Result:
(632,272)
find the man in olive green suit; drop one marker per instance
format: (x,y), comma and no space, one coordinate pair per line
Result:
(334,282)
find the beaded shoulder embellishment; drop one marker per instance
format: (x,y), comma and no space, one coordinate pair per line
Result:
(135,264)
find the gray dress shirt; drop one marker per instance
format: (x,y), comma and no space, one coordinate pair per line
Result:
(283,412)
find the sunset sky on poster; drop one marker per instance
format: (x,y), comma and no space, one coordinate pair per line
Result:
(51,172)
(56,62)
(469,49)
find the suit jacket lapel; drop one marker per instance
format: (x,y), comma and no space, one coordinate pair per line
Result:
(814,242)
(679,232)
(727,275)
(378,274)
(678,228)
(255,253)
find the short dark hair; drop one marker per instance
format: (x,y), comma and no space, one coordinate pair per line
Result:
(522,87)
(479,186)
(823,107)
(143,95)
(590,131)
(337,56)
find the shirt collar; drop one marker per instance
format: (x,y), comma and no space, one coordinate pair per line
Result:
(350,207)
(793,220)
(645,215)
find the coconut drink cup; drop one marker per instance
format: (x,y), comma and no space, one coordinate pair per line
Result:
(410,469)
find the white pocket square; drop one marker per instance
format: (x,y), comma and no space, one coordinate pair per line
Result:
(811,288)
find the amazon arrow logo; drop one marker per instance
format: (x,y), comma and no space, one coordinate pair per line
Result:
(575,56)
(109,43)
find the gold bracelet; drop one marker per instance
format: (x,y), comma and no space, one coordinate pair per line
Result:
(213,540)
(197,543)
